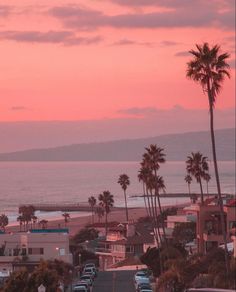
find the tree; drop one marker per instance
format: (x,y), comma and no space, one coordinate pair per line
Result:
(184,232)
(43,223)
(92,202)
(20,219)
(85,234)
(106,202)
(3,221)
(209,68)
(207,178)
(188,179)
(66,217)
(27,212)
(124,182)
(17,281)
(100,213)
(152,159)
(197,166)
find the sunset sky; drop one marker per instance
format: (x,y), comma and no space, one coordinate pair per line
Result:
(107,59)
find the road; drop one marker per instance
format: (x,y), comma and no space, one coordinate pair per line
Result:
(119,281)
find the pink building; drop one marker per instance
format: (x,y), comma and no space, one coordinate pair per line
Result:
(209,230)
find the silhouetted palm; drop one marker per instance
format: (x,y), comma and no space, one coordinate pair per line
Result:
(43,223)
(142,177)
(207,178)
(106,202)
(188,179)
(124,183)
(66,217)
(3,221)
(209,68)
(197,166)
(152,159)
(100,213)
(27,212)
(92,202)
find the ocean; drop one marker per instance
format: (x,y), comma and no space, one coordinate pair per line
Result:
(74,182)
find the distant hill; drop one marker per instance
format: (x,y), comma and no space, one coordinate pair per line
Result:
(177,147)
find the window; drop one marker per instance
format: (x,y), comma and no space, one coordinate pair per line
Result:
(35,251)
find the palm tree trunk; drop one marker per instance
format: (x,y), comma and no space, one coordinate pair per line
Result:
(106,223)
(218,180)
(144,198)
(149,204)
(202,197)
(126,207)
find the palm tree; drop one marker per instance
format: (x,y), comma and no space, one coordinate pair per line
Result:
(92,202)
(209,69)
(188,179)
(197,166)
(3,221)
(152,159)
(27,212)
(142,177)
(34,220)
(66,217)
(106,202)
(124,182)
(43,223)
(100,213)
(21,221)
(207,178)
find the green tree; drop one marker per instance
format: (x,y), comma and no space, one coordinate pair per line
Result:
(106,202)
(197,166)
(27,212)
(18,281)
(85,234)
(209,68)
(3,221)
(184,232)
(124,182)
(92,202)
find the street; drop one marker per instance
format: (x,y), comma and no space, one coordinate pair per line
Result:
(118,281)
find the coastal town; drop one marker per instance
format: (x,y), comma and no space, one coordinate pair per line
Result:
(117,146)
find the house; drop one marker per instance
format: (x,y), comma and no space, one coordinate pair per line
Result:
(123,241)
(28,248)
(209,229)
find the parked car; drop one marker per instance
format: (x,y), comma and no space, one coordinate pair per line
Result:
(83,284)
(140,274)
(141,287)
(90,270)
(80,289)
(87,278)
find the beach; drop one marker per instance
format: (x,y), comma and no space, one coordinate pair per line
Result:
(76,223)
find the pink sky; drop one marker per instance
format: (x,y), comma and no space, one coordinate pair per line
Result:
(100,59)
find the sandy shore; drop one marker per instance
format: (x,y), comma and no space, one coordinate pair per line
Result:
(77,223)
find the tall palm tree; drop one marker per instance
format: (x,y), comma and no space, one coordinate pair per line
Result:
(21,221)
(92,202)
(152,159)
(188,179)
(197,166)
(124,182)
(27,212)
(207,178)
(66,217)
(209,68)
(3,221)
(43,223)
(106,202)
(142,177)
(100,213)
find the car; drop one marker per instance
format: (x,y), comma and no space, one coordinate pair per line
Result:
(90,270)
(144,287)
(146,290)
(140,274)
(84,284)
(87,278)
(141,281)
(90,265)
(80,289)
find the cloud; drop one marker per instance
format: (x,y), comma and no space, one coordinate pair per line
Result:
(182,54)
(18,108)
(128,42)
(139,111)
(4,10)
(192,14)
(57,37)
(169,43)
